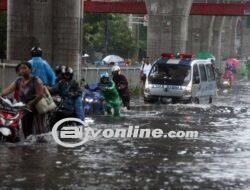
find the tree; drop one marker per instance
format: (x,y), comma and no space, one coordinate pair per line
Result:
(108,33)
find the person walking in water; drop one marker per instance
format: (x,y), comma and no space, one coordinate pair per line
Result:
(121,83)
(144,70)
(111,96)
(30,91)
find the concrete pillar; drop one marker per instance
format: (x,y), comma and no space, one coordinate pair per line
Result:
(245,39)
(199,35)
(228,37)
(168,26)
(29,23)
(54,25)
(208,46)
(216,43)
(18,29)
(66,32)
(41,23)
(233,36)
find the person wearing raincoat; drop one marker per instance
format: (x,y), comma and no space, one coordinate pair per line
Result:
(230,67)
(228,75)
(69,90)
(121,83)
(111,96)
(40,67)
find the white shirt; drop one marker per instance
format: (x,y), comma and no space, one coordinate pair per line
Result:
(146,69)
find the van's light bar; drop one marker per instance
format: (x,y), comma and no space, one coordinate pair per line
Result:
(184,56)
(167,55)
(179,56)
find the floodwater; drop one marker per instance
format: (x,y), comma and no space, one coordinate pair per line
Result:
(218,159)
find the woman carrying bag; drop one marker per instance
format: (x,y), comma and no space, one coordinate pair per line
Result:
(30,91)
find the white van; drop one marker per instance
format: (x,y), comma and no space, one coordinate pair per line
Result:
(181,79)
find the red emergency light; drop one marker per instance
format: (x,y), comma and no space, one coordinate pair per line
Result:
(184,56)
(179,56)
(167,55)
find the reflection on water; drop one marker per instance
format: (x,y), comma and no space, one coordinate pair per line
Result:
(218,159)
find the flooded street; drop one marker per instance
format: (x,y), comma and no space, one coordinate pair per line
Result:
(218,159)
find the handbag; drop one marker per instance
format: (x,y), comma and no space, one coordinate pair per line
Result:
(46,104)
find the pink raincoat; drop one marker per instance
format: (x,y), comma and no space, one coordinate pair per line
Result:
(228,75)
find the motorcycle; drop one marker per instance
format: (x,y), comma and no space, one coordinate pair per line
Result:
(59,113)
(10,120)
(92,100)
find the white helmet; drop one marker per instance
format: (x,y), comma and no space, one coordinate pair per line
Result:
(115,68)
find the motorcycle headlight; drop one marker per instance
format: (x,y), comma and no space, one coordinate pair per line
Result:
(89,100)
(225,83)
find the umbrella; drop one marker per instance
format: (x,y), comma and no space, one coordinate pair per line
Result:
(234,62)
(85,55)
(204,55)
(113,58)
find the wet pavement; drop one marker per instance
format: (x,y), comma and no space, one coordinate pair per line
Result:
(218,159)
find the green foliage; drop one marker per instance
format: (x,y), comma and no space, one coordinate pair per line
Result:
(99,28)
(242,71)
(143,37)
(135,90)
(95,28)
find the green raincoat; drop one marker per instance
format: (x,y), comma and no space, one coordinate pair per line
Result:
(111,96)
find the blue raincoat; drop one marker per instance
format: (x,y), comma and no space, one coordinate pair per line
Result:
(41,69)
(71,103)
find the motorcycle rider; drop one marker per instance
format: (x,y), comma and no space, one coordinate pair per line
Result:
(70,92)
(40,67)
(111,96)
(59,74)
(121,83)
(228,75)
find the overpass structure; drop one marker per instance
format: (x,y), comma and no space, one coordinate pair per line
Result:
(139,7)
(174,25)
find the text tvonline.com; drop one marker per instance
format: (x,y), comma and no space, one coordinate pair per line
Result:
(137,132)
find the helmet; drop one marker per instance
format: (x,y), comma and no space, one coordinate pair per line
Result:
(104,75)
(69,70)
(36,52)
(115,68)
(59,69)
